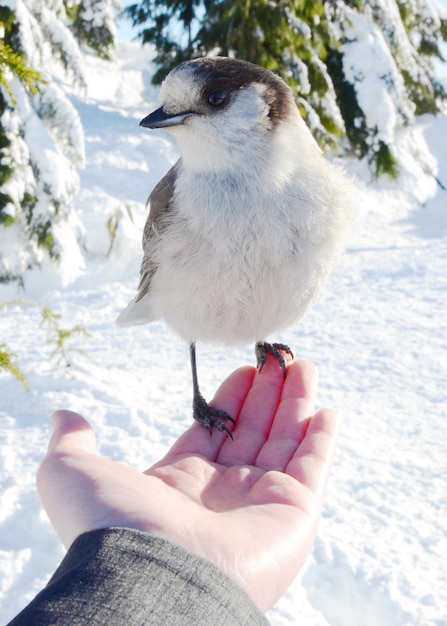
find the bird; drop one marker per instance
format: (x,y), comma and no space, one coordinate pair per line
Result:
(245,228)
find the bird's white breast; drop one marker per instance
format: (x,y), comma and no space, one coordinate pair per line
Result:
(244,255)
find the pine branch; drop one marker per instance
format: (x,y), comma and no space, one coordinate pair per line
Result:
(14,62)
(58,339)
(7,362)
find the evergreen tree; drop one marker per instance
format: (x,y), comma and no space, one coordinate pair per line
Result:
(41,137)
(360,69)
(94,24)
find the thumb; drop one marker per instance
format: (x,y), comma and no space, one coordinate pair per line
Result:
(71,431)
(62,477)
(73,438)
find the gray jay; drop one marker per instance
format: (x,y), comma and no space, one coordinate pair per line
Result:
(245,228)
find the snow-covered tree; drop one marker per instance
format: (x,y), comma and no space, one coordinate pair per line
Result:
(385,72)
(41,136)
(94,24)
(360,69)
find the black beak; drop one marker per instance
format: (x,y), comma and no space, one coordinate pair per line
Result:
(161,119)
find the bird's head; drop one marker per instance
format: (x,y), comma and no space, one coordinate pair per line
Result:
(222,111)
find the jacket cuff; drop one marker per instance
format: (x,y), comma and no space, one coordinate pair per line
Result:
(120,576)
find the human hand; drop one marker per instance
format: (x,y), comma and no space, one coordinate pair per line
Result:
(250,506)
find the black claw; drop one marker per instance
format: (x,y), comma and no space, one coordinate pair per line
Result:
(210,417)
(263,348)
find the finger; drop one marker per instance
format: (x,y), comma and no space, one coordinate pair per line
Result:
(256,417)
(311,463)
(71,431)
(289,425)
(229,397)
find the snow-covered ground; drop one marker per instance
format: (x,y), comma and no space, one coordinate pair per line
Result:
(378,335)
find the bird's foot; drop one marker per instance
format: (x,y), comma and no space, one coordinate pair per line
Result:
(263,348)
(210,417)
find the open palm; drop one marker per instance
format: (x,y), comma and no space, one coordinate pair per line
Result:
(250,506)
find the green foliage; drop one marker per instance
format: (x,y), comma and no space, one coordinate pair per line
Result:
(12,63)
(356,129)
(89,29)
(12,59)
(16,64)
(59,339)
(6,169)
(385,163)
(425,96)
(45,238)
(425,91)
(162,18)
(7,363)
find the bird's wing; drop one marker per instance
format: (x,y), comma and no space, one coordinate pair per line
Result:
(159,203)
(160,199)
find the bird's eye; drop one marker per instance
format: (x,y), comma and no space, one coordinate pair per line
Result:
(217,98)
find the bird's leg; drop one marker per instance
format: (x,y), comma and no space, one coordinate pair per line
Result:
(203,413)
(263,348)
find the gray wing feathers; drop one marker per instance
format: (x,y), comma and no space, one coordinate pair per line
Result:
(160,199)
(159,202)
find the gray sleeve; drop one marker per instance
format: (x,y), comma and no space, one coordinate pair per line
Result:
(124,577)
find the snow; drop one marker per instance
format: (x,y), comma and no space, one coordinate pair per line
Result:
(377,335)
(369,65)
